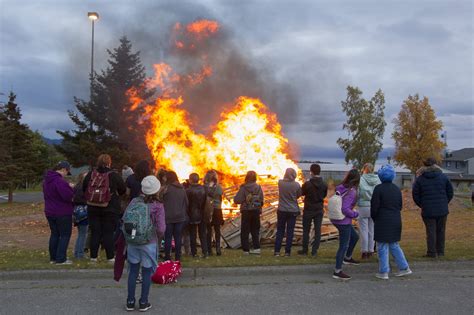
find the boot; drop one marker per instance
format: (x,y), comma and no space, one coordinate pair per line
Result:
(218,247)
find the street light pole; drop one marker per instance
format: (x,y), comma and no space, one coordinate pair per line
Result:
(93,16)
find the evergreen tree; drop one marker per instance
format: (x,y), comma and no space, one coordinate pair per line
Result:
(365,126)
(106,124)
(416,133)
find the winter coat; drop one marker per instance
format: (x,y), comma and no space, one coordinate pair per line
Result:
(57,195)
(176,203)
(288,192)
(432,192)
(314,192)
(244,191)
(366,188)
(196,202)
(117,188)
(348,203)
(385,208)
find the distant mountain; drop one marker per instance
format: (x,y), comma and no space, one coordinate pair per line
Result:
(52,141)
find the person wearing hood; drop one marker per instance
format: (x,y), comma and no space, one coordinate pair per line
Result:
(432,192)
(250,197)
(289,190)
(104,217)
(197,202)
(58,209)
(368,181)
(175,202)
(214,192)
(385,210)
(314,192)
(348,236)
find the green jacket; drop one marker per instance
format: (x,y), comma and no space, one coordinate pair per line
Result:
(366,188)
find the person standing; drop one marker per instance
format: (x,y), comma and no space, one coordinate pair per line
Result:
(348,236)
(58,208)
(214,192)
(432,192)
(175,202)
(81,220)
(133,182)
(289,190)
(385,210)
(250,197)
(368,181)
(314,192)
(145,254)
(197,201)
(103,188)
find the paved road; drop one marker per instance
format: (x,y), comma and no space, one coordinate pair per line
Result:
(434,288)
(36,196)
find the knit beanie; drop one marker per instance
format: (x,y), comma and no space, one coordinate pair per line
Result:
(386,173)
(150,185)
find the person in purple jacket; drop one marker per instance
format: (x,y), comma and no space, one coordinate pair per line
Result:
(348,236)
(58,208)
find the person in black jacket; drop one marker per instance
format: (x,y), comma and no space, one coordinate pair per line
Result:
(432,192)
(385,208)
(103,220)
(196,204)
(314,192)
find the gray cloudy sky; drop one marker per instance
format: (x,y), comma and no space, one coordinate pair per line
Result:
(316,47)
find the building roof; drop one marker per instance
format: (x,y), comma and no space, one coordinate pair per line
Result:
(461,155)
(337,167)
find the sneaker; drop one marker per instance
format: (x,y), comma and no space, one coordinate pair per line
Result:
(341,276)
(314,255)
(287,254)
(144,307)
(364,256)
(130,305)
(52,262)
(93,260)
(302,253)
(383,276)
(111,261)
(350,261)
(246,253)
(276,254)
(255,251)
(66,262)
(403,273)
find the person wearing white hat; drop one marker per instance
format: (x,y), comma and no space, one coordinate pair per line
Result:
(145,254)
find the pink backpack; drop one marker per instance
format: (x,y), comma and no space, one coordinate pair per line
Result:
(167,272)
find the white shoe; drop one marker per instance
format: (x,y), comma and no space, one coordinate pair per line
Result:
(246,253)
(66,262)
(383,276)
(255,251)
(52,262)
(403,273)
(111,261)
(93,260)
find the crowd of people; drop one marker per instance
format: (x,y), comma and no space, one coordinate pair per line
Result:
(181,212)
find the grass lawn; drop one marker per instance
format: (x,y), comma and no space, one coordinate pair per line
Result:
(459,244)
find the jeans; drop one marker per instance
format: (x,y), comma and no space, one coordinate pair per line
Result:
(217,237)
(250,224)
(366,230)
(435,235)
(202,230)
(61,229)
(103,226)
(132,283)
(397,254)
(173,230)
(318,220)
(348,238)
(80,241)
(286,220)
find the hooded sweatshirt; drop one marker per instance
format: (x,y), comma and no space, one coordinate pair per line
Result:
(432,192)
(288,192)
(244,191)
(314,192)
(176,203)
(348,203)
(57,195)
(366,189)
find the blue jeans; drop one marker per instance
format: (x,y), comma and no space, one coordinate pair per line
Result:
(286,220)
(80,241)
(348,238)
(61,228)
(397,254)
(173,230)
(132,283)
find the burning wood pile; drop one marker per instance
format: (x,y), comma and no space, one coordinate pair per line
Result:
(231,229)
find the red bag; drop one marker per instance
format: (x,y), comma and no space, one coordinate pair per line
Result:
(167,272)
(98,191)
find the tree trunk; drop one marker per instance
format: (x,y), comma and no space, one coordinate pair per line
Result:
(10,194)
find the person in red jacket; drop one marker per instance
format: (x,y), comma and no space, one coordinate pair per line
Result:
(58,209)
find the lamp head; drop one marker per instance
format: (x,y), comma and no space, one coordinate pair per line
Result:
(93,16)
